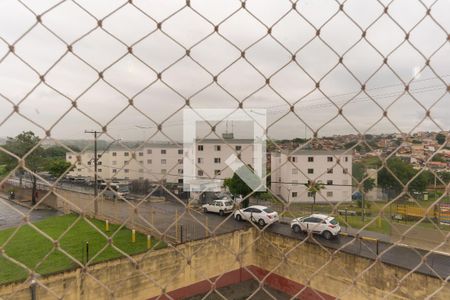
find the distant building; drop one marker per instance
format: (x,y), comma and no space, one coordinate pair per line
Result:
(290,172)
(163,161)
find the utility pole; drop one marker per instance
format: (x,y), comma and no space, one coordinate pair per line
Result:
(95,169)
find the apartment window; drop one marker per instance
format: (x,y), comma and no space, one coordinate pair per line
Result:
(180,151)
(217,160)
(200,173)
(163,161)
(141,170)
(329,194)
(79,170)
(346,159)
(163,171)
(89,163)
(329,182)
(330,171)
(126,154)
(216,147)
(310,159)
(310,194)
(99,163)
(238,147)
(239,156)
(163,151)
(294,171)
(126,170)
(200,147)
(294,194)
(199,160)
(292,158)
(114,170)
(149,151)
(149,161)
(141,162)
(180,171)
(99,170)
(330,158)
(114,162)
(310,171)
(69,157)
(345,171)
(180,160)
(216,172)
(141,154)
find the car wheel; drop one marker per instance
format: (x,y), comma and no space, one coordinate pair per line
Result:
(238,217)
(296,229)
(327,235)
(205,210)
(261,222)
(221,213)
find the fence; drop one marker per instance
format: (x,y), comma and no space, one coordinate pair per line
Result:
(358,90)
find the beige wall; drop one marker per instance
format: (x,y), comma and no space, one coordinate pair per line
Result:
(184,265)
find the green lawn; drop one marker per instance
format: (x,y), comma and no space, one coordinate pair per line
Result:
(29,247)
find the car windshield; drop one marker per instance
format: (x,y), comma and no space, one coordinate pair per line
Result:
(333,221)
(268,210)
(228,203)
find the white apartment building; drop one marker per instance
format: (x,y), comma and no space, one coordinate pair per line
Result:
(290,172)
(163,161)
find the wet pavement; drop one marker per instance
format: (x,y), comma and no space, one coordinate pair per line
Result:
(10,213)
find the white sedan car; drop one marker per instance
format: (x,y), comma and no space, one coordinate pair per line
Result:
(325,225)
(221,206)
(258,214)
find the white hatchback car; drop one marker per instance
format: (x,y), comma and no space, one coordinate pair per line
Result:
(221,206)
(258,214)
(325,225)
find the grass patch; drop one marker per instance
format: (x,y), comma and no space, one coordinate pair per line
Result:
(30,247)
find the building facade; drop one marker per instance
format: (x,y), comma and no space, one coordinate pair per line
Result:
(162,161)
(291,171)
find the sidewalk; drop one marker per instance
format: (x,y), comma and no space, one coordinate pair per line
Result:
(24,202)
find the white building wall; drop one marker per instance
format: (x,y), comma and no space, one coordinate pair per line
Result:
(289,176)
(162,161)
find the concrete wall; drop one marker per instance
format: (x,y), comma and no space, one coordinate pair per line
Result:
(168,269)
(178,268)
(333,274)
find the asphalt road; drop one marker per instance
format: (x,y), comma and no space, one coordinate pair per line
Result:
(10,213)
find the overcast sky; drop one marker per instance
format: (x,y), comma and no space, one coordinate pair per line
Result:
(74,76)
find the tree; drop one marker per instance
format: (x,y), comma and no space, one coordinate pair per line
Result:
(57,167)
(21,145)
(368,185)
(404,172)
(440,138)
(54,152)
(358,170)
(237,186)
(313,188)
